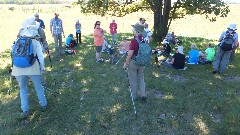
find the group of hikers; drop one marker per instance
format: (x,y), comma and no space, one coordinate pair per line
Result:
(32,36)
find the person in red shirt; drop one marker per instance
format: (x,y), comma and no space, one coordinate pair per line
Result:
(98,39)
(113,31)
(135,72)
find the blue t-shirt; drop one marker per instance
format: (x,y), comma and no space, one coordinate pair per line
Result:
(68,40)
(193,56)
(78,28)
(41,23)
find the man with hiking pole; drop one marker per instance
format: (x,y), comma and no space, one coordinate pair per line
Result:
(135,69)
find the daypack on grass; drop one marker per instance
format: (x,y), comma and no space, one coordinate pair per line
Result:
(22,53)
(228,40)
(144,54)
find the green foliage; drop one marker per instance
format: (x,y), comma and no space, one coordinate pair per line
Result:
(30,2)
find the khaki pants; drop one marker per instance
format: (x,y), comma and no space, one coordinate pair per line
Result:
(221,60)
(136,79)
(58,45)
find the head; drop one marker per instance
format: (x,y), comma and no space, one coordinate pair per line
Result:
(193,47)
(138,29)
(180,49)
(97,24)
(208,45)
(232,27)
(124,38)
(113,21)
(70,35)
(36,16)
(77,21)
(30,27)
(142,20)
(56,15)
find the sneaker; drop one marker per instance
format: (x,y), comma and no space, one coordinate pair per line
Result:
(215,71)
(44,108)
(98,61)
(24,114)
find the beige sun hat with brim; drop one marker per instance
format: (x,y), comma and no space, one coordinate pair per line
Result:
(30,28)
(232,26)
(139,28)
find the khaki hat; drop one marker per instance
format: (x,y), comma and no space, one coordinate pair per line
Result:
(139,28)
(36,15)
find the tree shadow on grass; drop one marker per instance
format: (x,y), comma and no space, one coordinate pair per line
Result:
(94,98)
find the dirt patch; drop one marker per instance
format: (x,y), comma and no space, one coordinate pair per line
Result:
(175,78)
(232,79)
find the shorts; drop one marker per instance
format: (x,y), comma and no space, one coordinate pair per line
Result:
(98,48)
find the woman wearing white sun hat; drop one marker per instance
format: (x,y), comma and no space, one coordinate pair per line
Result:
(222,57)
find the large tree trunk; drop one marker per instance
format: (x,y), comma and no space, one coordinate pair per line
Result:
(161,16)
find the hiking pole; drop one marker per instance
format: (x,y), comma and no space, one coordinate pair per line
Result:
(10,89)
(121,58)
(49,57)
(133,103)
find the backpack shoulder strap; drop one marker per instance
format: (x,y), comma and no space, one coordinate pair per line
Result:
(138,40)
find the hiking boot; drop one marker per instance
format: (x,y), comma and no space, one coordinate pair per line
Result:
(144,98)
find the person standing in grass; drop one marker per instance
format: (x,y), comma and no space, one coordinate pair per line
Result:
(56,28)
(42,25)
(222,57)
(113,31)
(135,72)
(30,29)
(78,31)
(98,39)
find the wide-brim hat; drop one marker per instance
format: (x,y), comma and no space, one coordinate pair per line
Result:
(139,28)
(30,27)
(232,26)
(36,15)
(165,41)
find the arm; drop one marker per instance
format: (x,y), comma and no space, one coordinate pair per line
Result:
(51,24)
(130,54)
(40,54)
(43,24)
(171,62)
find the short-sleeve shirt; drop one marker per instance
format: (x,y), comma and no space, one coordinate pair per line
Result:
(78,27)
(179,61)
(41,23)
(56,26)
(134,45)
(210,54)
(193,56)
(113,28)
(235,36)
(98,40)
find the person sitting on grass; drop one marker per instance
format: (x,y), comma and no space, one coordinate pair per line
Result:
(70,42)
(207,56)
(162,52)
(177,61)
(193,55)
(124,46)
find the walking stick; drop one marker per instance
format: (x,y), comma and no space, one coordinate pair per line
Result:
(133,103)
(49,57)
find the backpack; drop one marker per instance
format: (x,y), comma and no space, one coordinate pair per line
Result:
(70,52)
(22,53)
(144,54)
(228,40)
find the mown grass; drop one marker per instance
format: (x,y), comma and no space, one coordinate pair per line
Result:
(94,98)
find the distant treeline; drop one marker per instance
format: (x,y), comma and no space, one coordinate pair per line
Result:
(31,2)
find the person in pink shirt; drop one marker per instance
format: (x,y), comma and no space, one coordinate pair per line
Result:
(113,31)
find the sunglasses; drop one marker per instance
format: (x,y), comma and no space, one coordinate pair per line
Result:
(98,24)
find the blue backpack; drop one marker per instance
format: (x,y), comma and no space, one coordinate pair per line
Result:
(144,54)
(22,53)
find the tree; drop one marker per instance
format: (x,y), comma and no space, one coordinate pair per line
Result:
(164,10)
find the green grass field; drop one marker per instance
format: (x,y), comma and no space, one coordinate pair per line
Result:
(94,98)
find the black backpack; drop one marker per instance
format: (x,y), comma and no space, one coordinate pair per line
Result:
(227,42)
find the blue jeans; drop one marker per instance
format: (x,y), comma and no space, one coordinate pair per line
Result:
(58,44)
(22,80)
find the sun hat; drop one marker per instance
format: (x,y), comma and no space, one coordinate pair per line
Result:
(30,27)
(36,15)
(180,49)
(165,41)
(139,28)
(232,26)
(77,20)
